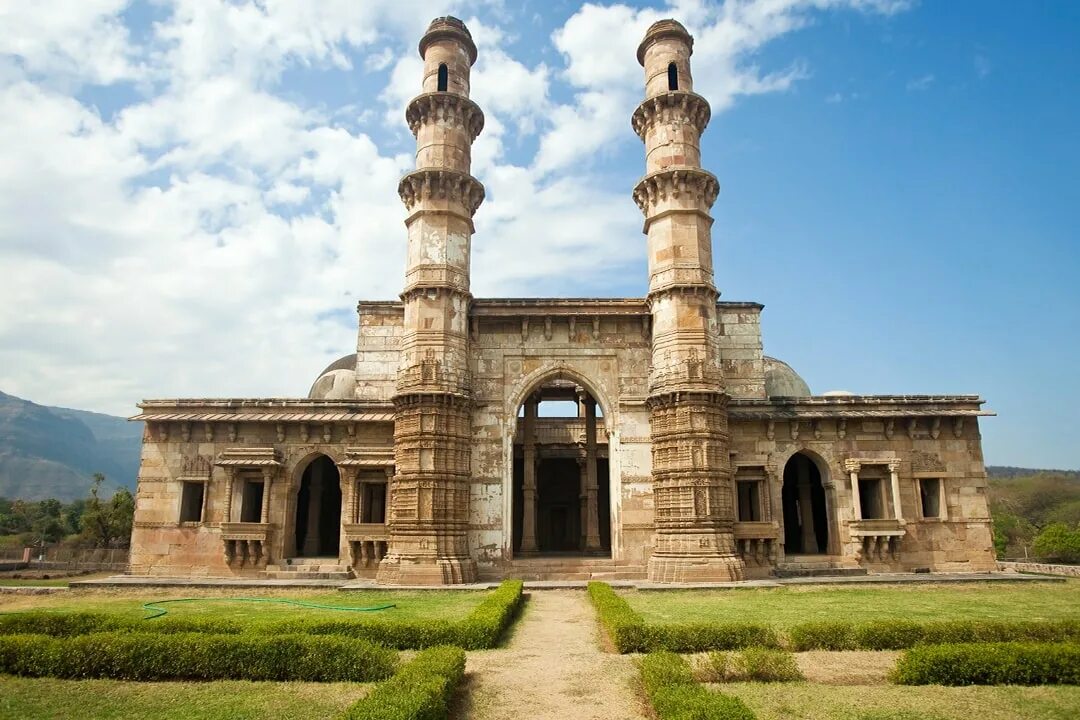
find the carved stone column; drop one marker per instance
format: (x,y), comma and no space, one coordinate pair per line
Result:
(268,478)
(583,498)
(806,511)
(592,510)
(528,512)
(852,467)
(894,479)
(230,482)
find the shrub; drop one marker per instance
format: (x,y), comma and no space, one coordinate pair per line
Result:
(674,695)
(902,634)
(421,690)
(990,664)
(756,664)
(481,629)
(1058,543)
(195,656)
(630,633)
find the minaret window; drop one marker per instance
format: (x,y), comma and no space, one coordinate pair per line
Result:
(443,77)
(672,77)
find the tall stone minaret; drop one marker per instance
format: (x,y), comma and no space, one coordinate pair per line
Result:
(694,508)
(430,490)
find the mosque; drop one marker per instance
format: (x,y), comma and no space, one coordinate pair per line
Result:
(646,438)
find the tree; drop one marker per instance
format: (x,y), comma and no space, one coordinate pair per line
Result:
(107,524)
(1058,543)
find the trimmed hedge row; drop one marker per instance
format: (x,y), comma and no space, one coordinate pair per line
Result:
(195,656)
(902,634)
(990,664)
(669,683)
(753,664)
(481,629)
(420,690)
(631,633)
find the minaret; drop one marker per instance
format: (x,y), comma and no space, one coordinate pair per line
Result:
(430,489)
(694,508)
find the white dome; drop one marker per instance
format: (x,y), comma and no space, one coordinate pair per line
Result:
(336,382)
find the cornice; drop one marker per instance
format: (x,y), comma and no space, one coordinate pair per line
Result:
(442,184)
(445,107)
(674,183)
(671,107)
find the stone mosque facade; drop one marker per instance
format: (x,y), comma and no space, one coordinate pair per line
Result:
(676,452)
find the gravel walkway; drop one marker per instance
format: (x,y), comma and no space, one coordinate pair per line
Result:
(553,668)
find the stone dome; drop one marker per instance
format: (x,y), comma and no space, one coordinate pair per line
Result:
(782,381)
(337,381)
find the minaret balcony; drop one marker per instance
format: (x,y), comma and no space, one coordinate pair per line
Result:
(682,187)
(441,184)
(677,106)
(445,107)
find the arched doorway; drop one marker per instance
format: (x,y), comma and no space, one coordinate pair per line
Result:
(561,502)
(318,510)
(806,521)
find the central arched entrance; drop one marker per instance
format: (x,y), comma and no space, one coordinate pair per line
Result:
(318,510)
(561,490)
(806,521)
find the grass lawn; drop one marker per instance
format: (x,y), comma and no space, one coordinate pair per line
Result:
(791,605)
(222,603)
(46,699)
(809,701)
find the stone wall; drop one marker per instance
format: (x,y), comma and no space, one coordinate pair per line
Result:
(1040,568)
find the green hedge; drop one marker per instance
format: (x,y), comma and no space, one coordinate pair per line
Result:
(754,664)
(481,629)
(990,664)
(195,656)
(902,634)
(421,690)
(669,683)
(630,633)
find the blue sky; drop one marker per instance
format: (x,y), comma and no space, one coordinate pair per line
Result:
(194,193)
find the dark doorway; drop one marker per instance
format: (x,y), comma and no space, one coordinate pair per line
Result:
(806,523)
(559,505)
(318,510)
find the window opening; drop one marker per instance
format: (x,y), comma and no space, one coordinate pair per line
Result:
(672,77)
(930,494)
(191,501)
(444,76)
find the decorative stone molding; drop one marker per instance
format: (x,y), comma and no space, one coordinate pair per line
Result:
(841,428)
(924,462)
(430,375)
(208,431)
(889,428)
(935,428)
(675,107)
(445,108)
(674,183)
(958,427)
(912,427)
(185,431)
(442,184)
(232,432)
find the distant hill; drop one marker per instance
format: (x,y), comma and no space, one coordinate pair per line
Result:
(54,452)
(1005,472)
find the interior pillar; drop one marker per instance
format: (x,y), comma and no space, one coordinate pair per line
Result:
(806,509)
(583,497)
(264,514)
(311,537)
(852,466)
(592,511)
(895,482)
(528,515)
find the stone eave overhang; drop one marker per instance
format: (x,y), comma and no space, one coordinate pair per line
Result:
(858,406)
(518,307)
(275,410)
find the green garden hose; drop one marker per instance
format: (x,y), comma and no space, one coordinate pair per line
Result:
(155,606)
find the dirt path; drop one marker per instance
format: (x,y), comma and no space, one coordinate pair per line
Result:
(553,668)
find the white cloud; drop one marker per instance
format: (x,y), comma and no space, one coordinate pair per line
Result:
(211,236)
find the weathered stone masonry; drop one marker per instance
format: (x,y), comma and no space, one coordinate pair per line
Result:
(425,457)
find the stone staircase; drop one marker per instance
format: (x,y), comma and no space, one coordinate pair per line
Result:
(806,566)
(571,568)
(305,568)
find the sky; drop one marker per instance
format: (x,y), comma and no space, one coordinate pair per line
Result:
(195,193)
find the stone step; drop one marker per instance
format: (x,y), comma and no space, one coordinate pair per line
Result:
(302,561)
(284,575)
(787,571)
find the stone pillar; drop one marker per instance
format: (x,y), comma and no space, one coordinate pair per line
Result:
(268,477)
(806,511)
(429,510)
(528,513)
(356,508)
(583,501)
(311,537)
(894,479)
(694,508)
(592,510)
(853,466)
(230,482)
